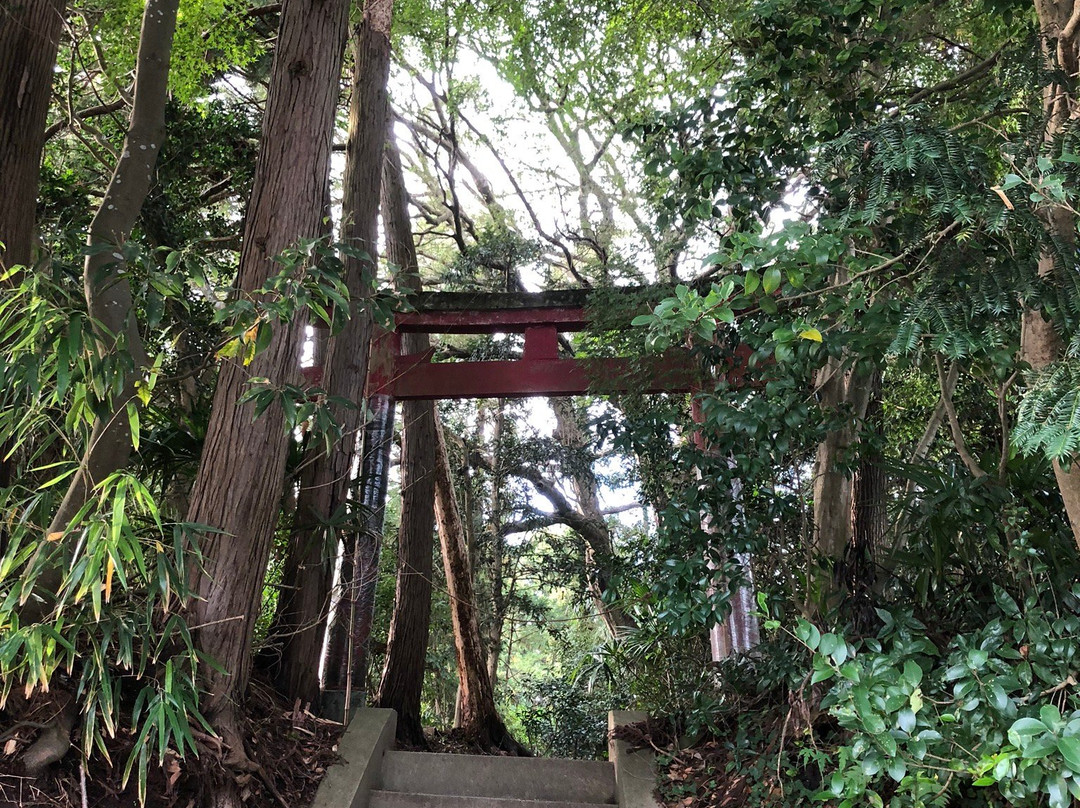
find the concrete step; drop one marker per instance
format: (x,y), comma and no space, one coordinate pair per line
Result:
(403,799)
(514,778)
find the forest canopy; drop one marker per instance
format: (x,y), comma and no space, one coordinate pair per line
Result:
(844,568)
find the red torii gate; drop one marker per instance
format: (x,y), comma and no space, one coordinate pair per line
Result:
(540,371)
(541,317)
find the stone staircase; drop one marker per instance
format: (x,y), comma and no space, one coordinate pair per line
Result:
(425,780)
(374,775)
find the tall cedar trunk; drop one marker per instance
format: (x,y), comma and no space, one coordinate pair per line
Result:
(869,516)
(843,392)
(402,683)
(1039,342)
(325,490)
(599,547)
(308,568)
(29,37)
(480,721)
(239,483)
(109,304)
(348,361)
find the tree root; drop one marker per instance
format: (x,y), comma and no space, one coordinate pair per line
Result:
(55,738)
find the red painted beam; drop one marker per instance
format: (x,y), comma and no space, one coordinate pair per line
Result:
(488,322)
(416,378)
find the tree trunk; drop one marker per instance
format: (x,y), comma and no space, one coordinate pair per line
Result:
(239,483)
(347,362)
(350,648)
(105,281)
(303,607)
(109,304)
(29,37)
(480,721)
(402,683)
(497,546)
(599,547)
(1039,342)
(325,494)
(844,392)
(869,516)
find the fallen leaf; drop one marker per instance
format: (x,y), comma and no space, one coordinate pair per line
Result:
(10,746)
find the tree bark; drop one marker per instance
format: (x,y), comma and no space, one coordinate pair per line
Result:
(29,38)
(847,393)
(109,304)
(346,363)
(1040,344)
(599,547)
(239,483)
(106,284)
(326,489)
(480,721)
(869,516)
(402,683)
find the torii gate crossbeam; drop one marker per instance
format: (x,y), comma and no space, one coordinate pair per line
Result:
(540,317)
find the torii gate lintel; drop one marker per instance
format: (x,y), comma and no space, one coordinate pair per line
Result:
(539,371)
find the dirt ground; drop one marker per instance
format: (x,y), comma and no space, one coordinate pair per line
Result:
(292,747)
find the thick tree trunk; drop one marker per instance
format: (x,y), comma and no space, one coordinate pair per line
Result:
(1040,344)
(347,362)
(239,483)
(844,392)
(109,304)
(402,683)
(480,721)
(307,576)
(325,493)
(869,516)
(29,37)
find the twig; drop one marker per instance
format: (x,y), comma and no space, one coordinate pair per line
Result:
(270,785)
(11,733)
(1070,681)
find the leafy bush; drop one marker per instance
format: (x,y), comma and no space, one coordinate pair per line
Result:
(562,716)
(996,706)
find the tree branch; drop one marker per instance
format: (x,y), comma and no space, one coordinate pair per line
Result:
(959,79)
(954,424)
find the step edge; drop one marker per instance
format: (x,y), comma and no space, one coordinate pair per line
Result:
(377,791)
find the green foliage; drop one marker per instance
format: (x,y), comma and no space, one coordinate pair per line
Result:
(1048,420)
(561,716)
(993,707)
(212,37)
(113,623)
(311,279)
